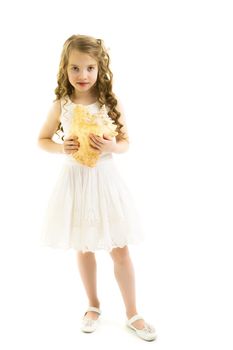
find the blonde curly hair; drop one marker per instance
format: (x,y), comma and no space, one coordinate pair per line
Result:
(96,49)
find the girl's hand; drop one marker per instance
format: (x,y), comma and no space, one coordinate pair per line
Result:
(71,145)
(103,144)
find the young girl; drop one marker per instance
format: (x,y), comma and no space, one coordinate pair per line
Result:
(90,207)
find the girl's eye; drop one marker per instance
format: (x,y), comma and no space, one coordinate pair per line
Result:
(76,69)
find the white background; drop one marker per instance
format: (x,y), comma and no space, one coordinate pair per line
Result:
(172,65)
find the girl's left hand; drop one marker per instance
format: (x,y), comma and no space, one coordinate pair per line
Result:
(103,144)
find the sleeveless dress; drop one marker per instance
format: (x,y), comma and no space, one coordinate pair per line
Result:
(90,208)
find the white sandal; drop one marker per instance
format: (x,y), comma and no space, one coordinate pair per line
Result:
(88,325)
(147,333)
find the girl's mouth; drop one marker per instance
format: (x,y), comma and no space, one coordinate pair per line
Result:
(83,84)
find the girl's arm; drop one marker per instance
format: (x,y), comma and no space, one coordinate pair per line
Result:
(121,145)
(48,130)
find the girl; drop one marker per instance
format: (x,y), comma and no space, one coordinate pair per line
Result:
(90,207)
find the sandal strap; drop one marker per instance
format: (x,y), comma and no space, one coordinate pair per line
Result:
(134,318)
(94,309)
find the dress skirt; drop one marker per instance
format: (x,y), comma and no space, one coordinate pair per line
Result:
(90,209)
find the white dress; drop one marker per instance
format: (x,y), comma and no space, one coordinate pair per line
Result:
(89,208)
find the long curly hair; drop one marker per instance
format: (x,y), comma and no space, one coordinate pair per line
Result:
(103,87)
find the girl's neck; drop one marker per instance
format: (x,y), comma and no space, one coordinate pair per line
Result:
(86,98)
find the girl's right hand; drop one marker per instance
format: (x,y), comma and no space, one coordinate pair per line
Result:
(71,145)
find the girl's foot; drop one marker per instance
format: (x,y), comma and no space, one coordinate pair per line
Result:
(93,310)
(143,330)
(90,319)
(139,324)
(91,315)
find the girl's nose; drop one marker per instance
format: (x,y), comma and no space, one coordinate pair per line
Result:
(82,74)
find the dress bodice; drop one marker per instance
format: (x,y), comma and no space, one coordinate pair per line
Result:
(67,107)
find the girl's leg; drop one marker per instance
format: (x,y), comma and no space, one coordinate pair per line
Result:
(124,273)
(87,268)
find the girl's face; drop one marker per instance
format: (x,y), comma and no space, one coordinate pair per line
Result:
(82,71)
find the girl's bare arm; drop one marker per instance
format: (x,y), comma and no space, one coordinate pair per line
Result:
(49,128)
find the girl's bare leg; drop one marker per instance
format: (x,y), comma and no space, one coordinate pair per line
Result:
(87,268)
(124,273)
